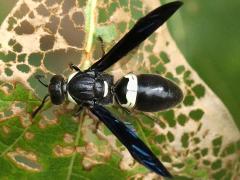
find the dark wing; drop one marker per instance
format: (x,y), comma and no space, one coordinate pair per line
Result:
(140,31)
(128,138)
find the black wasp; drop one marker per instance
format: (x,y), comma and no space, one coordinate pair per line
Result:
(93,88)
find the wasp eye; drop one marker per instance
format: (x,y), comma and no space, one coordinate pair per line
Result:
(56,89)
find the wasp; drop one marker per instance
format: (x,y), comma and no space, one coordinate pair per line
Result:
(93,88)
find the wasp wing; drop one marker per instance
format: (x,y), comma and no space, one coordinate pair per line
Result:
(140,31)
(130,140)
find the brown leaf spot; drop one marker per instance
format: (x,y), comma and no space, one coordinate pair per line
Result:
(45,122)
(31,15)
(80,150)
(25,160)
(74,36)
(24,119)
(88,163)
(68,138)
(42,10)
(52,2)
(68,5)
(53,24)
(7,88)
(78,18)
(24,28)
(47,42)
(22,11)
(91,149)
(60,151)
(29,135)
(127,161)
(5,129)
(11,22)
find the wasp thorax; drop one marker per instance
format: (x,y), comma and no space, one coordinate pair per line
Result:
(56,89)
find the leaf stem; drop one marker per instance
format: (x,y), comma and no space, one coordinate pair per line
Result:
(70,168)
(90,23)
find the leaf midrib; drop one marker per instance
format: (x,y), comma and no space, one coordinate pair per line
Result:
(76,143)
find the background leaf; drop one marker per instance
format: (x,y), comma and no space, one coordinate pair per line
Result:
(207,36)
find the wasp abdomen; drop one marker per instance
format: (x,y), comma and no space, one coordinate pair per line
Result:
(147,92)
(156,93)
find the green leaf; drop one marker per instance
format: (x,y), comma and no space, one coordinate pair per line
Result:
(108,33)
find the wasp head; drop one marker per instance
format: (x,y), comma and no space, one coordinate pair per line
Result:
(57,89)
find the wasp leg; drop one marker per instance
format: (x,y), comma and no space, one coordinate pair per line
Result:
(125,109)
(78,111)
(39,78)
(97,125)
(102,45)
(72,66)
(40,107)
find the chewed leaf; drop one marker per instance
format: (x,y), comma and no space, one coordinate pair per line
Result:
(197,139)
(108,33)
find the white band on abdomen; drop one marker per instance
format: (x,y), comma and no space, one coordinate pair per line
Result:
(132,88)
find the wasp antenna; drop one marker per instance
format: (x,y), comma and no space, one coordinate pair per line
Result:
(39,77)
(40,107)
